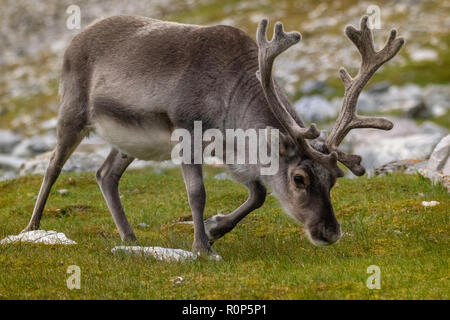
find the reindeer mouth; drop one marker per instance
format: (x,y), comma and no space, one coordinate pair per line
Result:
(321,235)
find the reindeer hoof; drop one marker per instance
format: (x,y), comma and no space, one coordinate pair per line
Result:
(214,229)
(29,228)
(131,238)
(205,250)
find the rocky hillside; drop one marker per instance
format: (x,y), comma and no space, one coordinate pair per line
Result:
(413,89)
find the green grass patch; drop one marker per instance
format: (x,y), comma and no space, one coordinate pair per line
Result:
(266,256)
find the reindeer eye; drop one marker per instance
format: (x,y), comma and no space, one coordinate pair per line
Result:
(299,181)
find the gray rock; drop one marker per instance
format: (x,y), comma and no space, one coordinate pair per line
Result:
(379,87)
(310,86)
(35,145)
(78,162)
(397,98)
(409,166)
(367,103)
(8,175)
(221,176)
(438,166)
(10,162)
(406,140)
(437,97)
(419,109)
(376,153)
(49,124)
(315,109)
(8,141)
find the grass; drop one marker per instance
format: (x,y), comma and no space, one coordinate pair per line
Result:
(267,256)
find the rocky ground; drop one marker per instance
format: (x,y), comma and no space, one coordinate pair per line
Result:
(413,90)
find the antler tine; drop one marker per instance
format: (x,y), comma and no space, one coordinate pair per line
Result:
(268,51)
(348,119)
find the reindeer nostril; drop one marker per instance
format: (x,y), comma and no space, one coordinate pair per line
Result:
(329,234)
(322,235)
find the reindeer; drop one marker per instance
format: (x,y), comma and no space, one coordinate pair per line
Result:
(133,80)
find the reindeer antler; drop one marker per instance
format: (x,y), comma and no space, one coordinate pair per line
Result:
(268,51)
(348,119)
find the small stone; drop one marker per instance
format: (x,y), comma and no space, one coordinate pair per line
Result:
(221,176)
(430,203)
(177,281)
(432,239)
(63,192)
(159,253)
(143,225)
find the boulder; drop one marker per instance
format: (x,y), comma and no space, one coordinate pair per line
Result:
(379,87)
(10,162)
(310,86)
(78,162)
(406,140)
(8,175)
(408,166)
(437,97)
(8,141)
(35,145)
(418,109)
(438,166)
(315,109)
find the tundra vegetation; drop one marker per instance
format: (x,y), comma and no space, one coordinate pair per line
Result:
(266,256)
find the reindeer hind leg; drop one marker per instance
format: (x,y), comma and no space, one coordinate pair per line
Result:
(108,177)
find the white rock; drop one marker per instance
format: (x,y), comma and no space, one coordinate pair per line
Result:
(35,145)
(78,162)
(49,124)
(315,109)
(177,280)
(63,192)
(376,153)
(406,140)
(39,236)
(10,162)
(221,176)
(143,225)
(8,175)
(438,166)
(423,54)
(159,253)
(430,203)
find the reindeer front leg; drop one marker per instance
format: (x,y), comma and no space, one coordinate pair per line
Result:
(218,225)
(193,179)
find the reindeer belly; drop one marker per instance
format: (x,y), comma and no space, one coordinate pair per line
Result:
(147,142)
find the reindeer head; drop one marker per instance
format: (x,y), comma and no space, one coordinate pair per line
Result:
(309,164)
